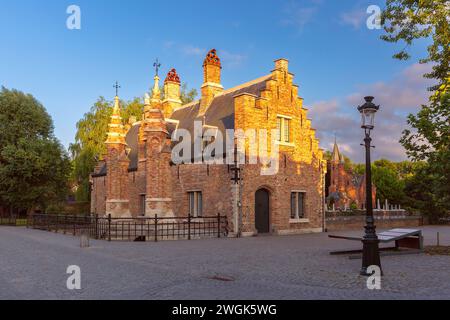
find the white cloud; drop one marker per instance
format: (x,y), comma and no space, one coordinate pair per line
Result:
(191,50)
(297,15)
(354,18)
(402,95)
(231,59)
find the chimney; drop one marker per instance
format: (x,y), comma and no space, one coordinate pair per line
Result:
(211,80)
(172,99)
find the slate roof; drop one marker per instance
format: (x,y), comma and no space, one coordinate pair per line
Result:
(219,114)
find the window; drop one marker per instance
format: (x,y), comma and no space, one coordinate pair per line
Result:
(142,205)
(297,205)
(283,129)
(195,204)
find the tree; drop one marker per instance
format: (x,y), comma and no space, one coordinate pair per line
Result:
(389,186)
(187,96)
(34,167)
(409,20)
(429,138)
(423,193)
(89,145)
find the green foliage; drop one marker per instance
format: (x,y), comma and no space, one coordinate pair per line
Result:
(89,146)
(389,186)
(409,20)
(348,164)
(426,194)
(186,95)
(430,141)
(393,181)
(34,167)
(429,138)
(359,169)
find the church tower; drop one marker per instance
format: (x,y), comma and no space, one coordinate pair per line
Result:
(158,154)
(211,80)
(117,163)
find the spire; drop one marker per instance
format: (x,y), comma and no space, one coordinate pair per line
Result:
(116,132)
(336,156)
(156,93)
(116,108)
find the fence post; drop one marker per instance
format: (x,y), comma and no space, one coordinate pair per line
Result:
(109,227)
(189,226)
(96,226)
(218,225)
(156,228)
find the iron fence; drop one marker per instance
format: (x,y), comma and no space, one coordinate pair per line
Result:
(133,229)
(8,220)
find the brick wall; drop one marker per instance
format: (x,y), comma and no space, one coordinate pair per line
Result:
(358,222)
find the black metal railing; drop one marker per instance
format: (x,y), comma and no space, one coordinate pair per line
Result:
(8,220)
(133,229)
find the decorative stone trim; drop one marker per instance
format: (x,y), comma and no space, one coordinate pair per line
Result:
(298,231)
(286,144)
(302,220)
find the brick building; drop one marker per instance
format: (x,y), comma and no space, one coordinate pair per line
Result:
(138,176)
(344,188)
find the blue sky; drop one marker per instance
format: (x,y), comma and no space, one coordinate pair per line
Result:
(335,57)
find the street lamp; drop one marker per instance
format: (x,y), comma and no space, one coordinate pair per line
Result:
(371,253)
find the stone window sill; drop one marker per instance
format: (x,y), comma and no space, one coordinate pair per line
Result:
(299,220)
(286,144)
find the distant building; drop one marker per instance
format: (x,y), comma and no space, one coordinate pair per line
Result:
(344,188)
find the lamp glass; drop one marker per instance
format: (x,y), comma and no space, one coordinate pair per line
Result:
(368,118)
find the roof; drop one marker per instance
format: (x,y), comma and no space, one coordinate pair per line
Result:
(220,115)
(336,156)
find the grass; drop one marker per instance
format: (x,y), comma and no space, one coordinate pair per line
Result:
(19,222)
(437,250)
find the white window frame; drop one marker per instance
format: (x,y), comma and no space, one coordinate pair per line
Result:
(281,130)
(297,218)
(195,208)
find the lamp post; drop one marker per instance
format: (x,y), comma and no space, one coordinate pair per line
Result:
(371,253)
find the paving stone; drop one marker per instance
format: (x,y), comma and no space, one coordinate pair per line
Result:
(34,263)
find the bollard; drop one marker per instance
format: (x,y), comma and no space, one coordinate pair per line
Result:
(84,239)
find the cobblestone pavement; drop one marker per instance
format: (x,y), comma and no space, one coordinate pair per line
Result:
(33,266)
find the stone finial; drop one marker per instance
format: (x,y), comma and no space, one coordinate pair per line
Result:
(212,59)
(116,132)
(156,92)
(172,76)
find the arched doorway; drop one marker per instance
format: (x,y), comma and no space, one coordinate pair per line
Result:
(262,212)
